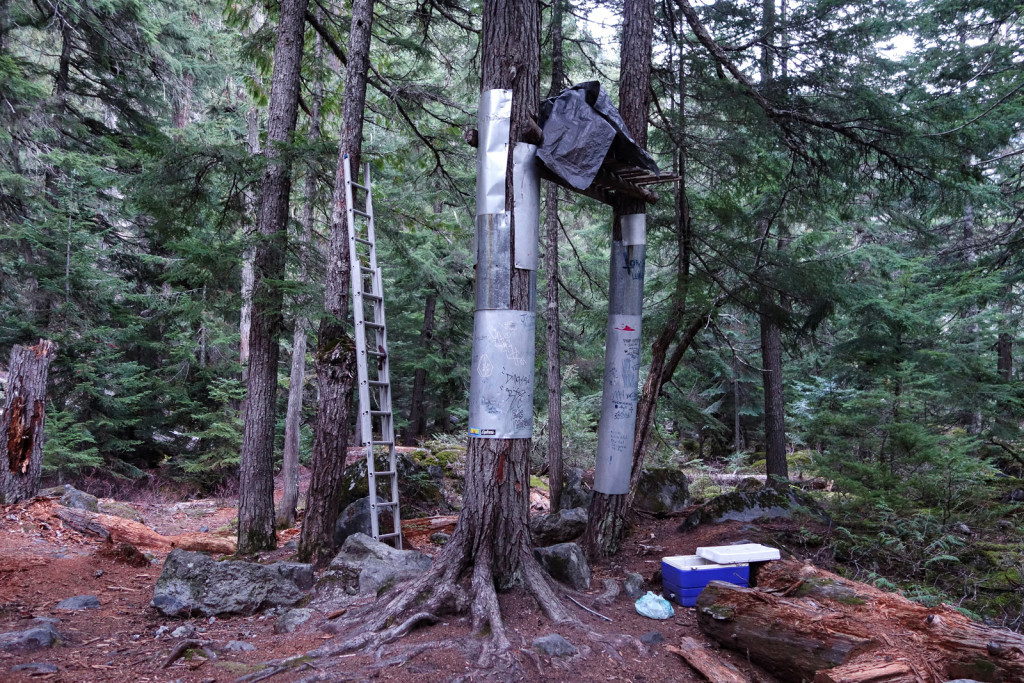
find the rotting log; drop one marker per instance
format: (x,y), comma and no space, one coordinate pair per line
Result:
(790,639)
(22,424)
(805,623)
(120,530)
(711,667)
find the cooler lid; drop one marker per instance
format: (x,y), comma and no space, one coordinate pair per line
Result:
(745,552)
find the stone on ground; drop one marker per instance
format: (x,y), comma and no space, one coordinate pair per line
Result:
(35,638)
(661,491)
(36,668)
(634,585)
(554,645)
(70,497)
(575,492)
(354,519)
(239,646)
(79,602)
(749,506)
(652,638)
(565,562)
(559,527)
(365,566)
(194,584)
(292,619)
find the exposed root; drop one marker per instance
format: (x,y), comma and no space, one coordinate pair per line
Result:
(539,585)
(613,644)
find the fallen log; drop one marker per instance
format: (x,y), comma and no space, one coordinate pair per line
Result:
(710,666)
(120,530)
(804,623)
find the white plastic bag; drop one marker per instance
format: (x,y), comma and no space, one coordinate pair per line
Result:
(654,606)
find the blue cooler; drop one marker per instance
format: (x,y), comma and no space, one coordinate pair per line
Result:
(683,577)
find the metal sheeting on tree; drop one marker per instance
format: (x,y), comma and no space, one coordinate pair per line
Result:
(581,127)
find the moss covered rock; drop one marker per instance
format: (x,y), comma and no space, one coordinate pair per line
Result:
(748,506)
(662,491)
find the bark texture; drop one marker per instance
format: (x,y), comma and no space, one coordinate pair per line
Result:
(256,472)
(293,418)
(417,411)
(336,351)
(552,324)
(608,511)
(776,466)
(22,425)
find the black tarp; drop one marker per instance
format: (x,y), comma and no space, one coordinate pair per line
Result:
(581,126)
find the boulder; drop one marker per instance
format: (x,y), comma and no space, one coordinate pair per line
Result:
(634,585)
(79,602)
(36,668)
(35,638)
(575,492)
(565,562)
(192,583)
(559,527)
(416,487)
(554,645)
(354,519)
(365,566)
(70,497)
(661,491)
(238,646)
(292,619)
(748,506)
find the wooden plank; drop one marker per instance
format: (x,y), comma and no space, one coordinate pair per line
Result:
(707,663)
(870,671)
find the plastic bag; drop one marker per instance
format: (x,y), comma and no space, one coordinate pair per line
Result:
(654,606)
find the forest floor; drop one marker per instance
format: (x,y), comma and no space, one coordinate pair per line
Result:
(42,562)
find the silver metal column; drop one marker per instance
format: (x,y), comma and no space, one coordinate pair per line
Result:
(621,358)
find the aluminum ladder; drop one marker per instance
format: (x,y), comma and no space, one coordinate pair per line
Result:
(376,420)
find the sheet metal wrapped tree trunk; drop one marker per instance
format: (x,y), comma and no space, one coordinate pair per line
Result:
(23,421)
(609,505)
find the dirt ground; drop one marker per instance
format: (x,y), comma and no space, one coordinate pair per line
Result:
(42,562)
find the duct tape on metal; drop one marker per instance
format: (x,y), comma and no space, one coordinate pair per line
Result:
(493,259)
(618,405)
(501,383)
(526,207)
(493,121)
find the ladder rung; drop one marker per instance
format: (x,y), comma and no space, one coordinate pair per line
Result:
(390,535)
(360,213)
(383,443)
(375,326)
(362,241)
(380,413)
(383,473)
(389,504)
(374,297)
(365,269)
(361,187)
(375,383)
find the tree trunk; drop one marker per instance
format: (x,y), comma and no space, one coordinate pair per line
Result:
(22,425)
(248,268)
(491,543)
(1004,347)
(607,508)
(256,472)
(814,625)
(336,351)
(293,418)
(552,322)
(776,466)
(417,414)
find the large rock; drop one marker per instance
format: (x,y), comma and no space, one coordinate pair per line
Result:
(194,584)
(554,645)
(35,638)
(661,491)
(79,602)
(415,485)
(559,527)
(70,497)
(354,519)
(748,506)
(575,492)
(365,566)
(566,563)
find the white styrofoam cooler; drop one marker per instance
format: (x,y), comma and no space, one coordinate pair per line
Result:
(746,552)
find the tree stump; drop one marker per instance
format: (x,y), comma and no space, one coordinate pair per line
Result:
(23,421)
